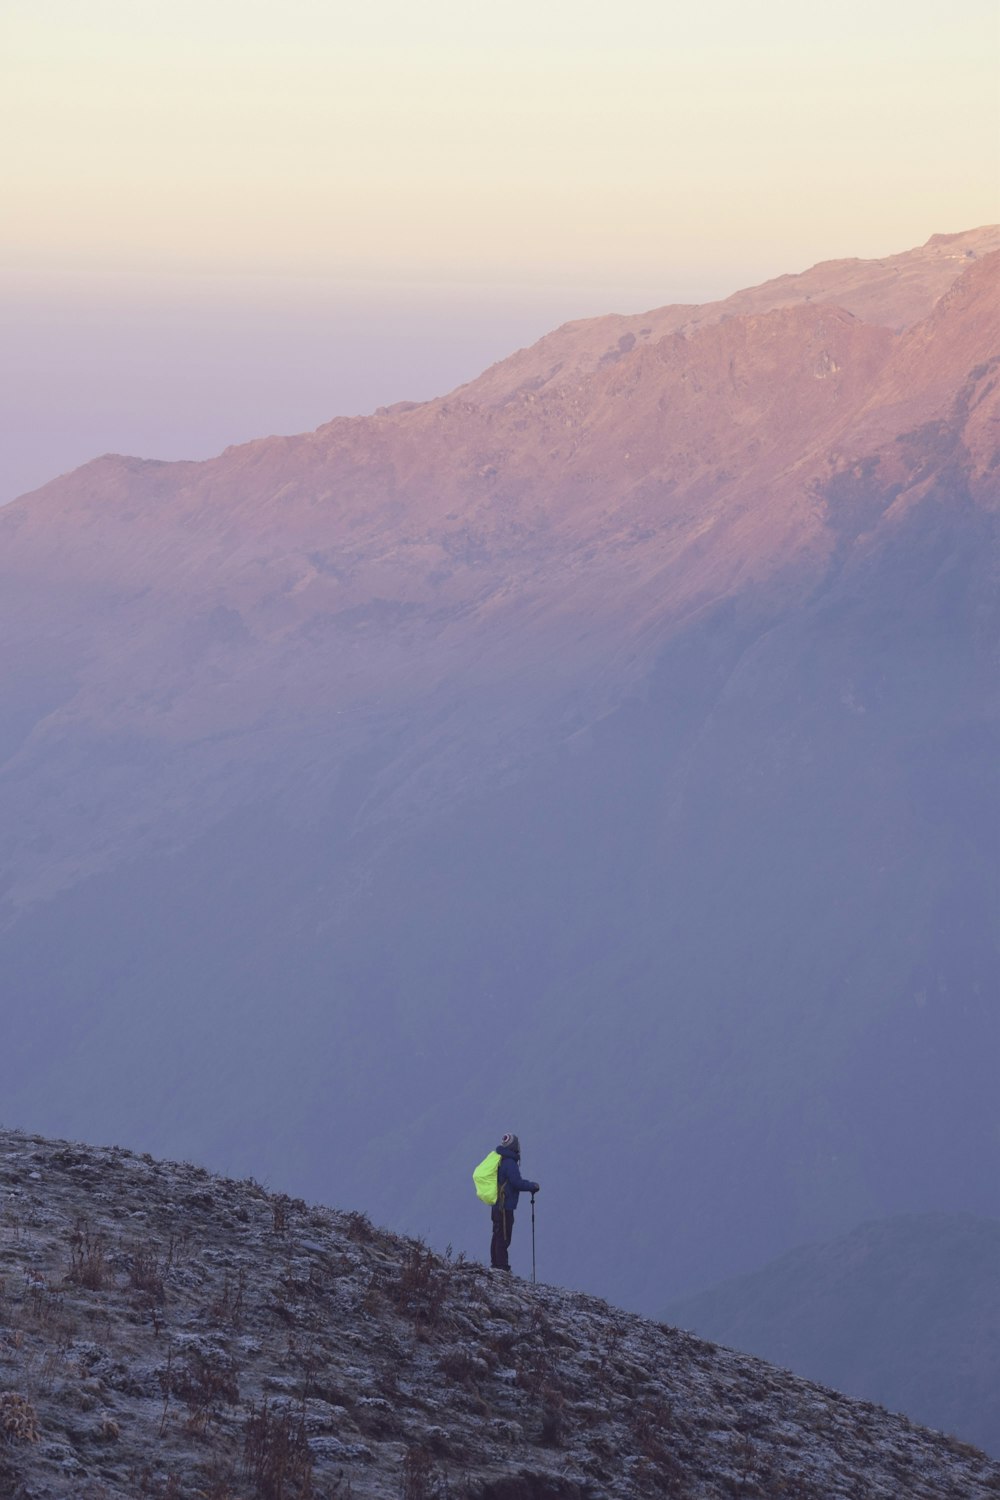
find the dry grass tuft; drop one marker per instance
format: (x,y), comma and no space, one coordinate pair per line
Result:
(276,1457)
(18,1418)
(88,1262)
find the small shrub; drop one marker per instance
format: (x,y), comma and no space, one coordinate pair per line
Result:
(459,1365)
(218,1480)
(422,1286)
(18,1418)
(651,1423)
(145,1271)
(45,1304)
(146,1486)
(373,1292)
(421,1480)
(553,1432)
(228,1305)
(276,1457)
(205,1383)
(88,1264)
(360,1228)
(178,1249)
(960,1448)
(281,1211)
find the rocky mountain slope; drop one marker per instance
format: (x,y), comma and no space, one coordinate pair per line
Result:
(903,1311)
(165,1333)
(894,293)
(606,750)
(539,549)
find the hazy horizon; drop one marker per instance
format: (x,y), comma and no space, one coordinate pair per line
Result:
(182,366)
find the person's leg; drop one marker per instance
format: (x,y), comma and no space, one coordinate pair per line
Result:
(498,1244)
(503,1227)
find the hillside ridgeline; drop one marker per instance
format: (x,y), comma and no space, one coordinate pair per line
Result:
(169,1334)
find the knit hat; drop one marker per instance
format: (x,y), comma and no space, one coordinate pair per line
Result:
(512,1143)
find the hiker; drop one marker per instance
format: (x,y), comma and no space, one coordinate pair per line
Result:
(510,1184)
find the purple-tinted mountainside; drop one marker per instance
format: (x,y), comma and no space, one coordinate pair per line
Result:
(606,751)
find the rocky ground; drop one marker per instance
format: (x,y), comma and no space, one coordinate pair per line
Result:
(169,1334)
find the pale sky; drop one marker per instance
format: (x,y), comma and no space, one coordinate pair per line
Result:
(502,167)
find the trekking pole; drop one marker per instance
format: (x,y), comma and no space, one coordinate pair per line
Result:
(533,1276)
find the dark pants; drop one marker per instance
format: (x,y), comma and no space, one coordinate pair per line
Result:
(503,1228)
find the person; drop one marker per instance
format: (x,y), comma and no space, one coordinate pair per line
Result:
(510,1185)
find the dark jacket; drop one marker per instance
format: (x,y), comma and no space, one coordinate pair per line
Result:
(510,1183)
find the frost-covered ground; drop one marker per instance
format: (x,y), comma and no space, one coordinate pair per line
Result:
(166,1333)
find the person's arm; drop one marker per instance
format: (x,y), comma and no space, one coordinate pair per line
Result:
(519,1183)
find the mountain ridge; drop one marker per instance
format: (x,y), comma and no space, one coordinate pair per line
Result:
(684,526)
(897,290)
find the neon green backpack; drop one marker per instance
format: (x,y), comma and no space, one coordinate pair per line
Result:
(485,1177)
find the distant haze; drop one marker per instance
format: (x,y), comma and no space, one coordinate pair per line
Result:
(904,1312)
